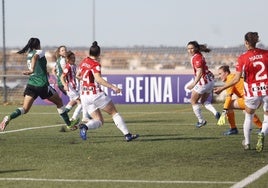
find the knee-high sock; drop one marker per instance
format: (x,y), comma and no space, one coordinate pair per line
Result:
(231,119)
(247,127)
(120,123)
(64,115)
(197,112)
(77,111)
(16,113)
(93,124)
(68,108)
(210,107)
(265,125)
(257,121)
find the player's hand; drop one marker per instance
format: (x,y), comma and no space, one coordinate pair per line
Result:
(217,90)
(222,119)
(116,89)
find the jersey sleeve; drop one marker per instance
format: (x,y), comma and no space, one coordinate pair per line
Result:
(96,68)
(229,92)
(198,61)
(40,53)
(66,70)
(239,64)
(62,63)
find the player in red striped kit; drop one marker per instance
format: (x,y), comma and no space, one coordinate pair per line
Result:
(203,83)
(253,66)
(71,84)
(94,99)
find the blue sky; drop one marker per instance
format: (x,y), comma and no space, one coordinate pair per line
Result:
(124,23)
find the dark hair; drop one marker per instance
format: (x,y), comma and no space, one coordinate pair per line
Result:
(94,49)
(199,47)
(33,43)
(252,38)
(225,68)
(57,53)
(69,54)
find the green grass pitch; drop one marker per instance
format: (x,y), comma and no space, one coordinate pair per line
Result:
(171,151)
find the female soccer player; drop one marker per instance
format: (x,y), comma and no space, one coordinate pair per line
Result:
(253,66)
(71,84)
(230,104)
(203,82)
(94,99)
(37,85)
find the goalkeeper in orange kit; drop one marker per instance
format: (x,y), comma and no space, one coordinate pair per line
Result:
(230,104)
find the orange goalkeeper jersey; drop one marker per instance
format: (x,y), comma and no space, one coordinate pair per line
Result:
(237,89)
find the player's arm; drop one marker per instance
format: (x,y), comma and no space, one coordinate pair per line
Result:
(33,64)
(227,103)
(197,78)
(101,81)
(63,78)
(236,79)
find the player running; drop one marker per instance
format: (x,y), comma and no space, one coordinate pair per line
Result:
(94,99)
(203,82)
(37,85)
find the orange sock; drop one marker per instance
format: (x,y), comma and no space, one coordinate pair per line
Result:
(257,121)
(231,119)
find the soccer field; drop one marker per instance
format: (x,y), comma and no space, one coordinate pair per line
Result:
(171,151)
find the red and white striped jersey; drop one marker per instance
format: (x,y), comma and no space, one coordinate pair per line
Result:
(88,67)
(70,73)
(253,65)
(198,61)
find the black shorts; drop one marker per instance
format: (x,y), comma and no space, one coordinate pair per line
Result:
(42,92)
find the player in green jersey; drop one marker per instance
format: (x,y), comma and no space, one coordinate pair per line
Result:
(37,85)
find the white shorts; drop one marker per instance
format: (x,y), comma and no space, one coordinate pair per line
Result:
(73,94)
(92,102)
(254,102)
(201,89)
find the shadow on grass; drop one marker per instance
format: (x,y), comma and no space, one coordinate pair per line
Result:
(14,171)
(152,138)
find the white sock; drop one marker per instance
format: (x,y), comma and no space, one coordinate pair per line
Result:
(61,110)
(197,112)
(85,115)
(77,111)
(120,123)
(93,124)
(247,127)
(210,107)
(69,107)
(265,125)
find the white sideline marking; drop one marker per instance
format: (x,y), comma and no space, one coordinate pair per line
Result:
(31,128)
(251,178)
(116,181)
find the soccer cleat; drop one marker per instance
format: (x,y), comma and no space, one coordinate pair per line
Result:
(4,123)
(218,115)
(74,124)
(83,131)
(260,143)
(245,146)
(231,131)
(129,137)
(198,124)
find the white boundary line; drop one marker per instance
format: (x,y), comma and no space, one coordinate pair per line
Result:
(116,181)
(31,128)
(251,178)
(240,184)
